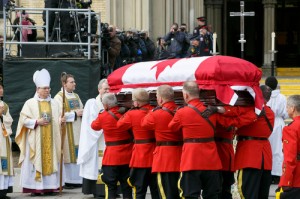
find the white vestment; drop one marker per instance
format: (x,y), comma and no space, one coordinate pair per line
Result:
(278,105)
(6,161)
(29,140)
(91,142)
(71,143)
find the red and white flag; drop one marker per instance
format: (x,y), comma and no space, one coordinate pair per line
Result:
(224,74)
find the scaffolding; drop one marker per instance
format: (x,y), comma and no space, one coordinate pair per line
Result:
(8,26)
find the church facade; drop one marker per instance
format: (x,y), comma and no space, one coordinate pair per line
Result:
(156,16)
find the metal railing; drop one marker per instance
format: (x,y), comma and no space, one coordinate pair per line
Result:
(8,26)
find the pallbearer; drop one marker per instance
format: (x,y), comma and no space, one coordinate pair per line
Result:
(167,154)
(144,145)
(117,154)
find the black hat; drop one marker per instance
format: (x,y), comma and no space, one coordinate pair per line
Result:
(271,82)
(201,18)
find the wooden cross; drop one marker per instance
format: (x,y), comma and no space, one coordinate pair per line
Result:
(241,14)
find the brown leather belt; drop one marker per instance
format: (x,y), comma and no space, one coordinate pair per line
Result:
(119,142)
(144,141)
(199,140)
(298,156)
(245,138)
(169,143)
(224,140)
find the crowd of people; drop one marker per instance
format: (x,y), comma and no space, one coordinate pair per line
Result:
(178,152)
(131,46)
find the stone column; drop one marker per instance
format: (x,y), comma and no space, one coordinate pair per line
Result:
(269,27)
(158,15)
(214,18)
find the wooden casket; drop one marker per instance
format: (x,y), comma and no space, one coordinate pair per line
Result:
(223,80)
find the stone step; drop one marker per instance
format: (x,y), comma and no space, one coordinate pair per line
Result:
(288,71)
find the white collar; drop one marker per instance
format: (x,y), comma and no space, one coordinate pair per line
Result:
(36,96)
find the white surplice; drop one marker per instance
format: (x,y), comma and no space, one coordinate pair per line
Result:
(91,142)
(278,105)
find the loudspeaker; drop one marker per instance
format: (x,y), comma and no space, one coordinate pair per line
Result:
(60,49)
(32,51)
(43,51)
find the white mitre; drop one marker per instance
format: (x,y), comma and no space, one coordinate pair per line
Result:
(41,78)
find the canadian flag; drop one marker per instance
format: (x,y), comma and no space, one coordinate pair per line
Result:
(224,74)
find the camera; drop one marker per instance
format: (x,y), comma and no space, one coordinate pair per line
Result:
(9,5)
(85,4)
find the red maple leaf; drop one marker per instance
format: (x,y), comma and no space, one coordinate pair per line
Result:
(161,66)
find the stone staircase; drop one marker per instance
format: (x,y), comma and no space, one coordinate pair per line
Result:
(288,80)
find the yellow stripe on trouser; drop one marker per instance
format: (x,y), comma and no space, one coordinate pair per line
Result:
(279,193)
(133,188)
(160,187)
(178,185)
(240,183)
(105,185)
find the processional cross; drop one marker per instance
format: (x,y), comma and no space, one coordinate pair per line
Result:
(241,14)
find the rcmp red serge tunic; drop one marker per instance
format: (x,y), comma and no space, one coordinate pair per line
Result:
(234,116)
(113,155)
(196,156)
(142,154)
(249,153)
(165,158)
(291,150)
(225,149)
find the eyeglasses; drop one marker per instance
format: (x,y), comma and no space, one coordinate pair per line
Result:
(45,88)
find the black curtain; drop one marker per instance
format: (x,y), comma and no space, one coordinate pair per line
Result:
(19,85)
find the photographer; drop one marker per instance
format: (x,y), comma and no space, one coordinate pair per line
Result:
(113,46)
(149,46)
(133,44)
(84,22)
(175,39)
(161,50)
(186,43)
(124,56)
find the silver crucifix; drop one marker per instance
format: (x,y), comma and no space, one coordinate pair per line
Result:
(241,14)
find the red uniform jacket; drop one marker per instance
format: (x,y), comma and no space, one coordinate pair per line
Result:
(196,156)
(291,149)
(249,153)
(113,155)
(225,149)
(233,117)
(165,158)
(142,154)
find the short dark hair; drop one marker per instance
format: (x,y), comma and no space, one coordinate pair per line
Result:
(271,82)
